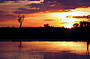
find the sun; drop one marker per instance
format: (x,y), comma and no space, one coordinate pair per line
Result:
(66,19)
(69,22)
(68,25)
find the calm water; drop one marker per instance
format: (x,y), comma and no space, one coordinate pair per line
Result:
(45,50)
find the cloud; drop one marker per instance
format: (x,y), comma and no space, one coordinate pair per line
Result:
(49,20)
(55,5)
(26,11)
(22,1)
(2,12)
(27,6)
(7,17)
(82,16)
(11,6)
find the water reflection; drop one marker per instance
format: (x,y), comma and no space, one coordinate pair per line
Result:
(45,50)
(88,44)
(72,47)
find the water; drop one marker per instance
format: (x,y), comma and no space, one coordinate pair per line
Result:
(45,50)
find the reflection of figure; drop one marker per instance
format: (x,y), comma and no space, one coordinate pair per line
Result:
(88,42)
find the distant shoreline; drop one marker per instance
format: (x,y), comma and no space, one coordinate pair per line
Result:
(44,34)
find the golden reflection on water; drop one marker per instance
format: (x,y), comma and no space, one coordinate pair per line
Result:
(72,47)
(76,47)
(44,50)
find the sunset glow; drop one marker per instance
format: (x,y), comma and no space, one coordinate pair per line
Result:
(38,14)
(67,18)
(68,25)
(73,47)
(44,29)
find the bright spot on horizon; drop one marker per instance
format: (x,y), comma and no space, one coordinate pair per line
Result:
(67,17)
(68,26)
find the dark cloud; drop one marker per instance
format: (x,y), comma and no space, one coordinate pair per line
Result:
(52,5)
(82,16)
(2,12)
(8,16)
(61,4)
(1,1)
(25,11)
(47,6)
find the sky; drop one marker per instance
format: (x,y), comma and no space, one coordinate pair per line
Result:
(56,13)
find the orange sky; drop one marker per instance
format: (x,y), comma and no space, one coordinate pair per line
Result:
(56,18)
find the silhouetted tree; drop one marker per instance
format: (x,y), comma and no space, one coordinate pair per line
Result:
(20,20)
(46,25)
(84,24)
(75,25)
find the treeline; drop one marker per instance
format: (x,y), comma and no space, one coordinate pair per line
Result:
(44,33)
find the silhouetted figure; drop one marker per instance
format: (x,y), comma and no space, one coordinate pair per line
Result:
(20,20)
